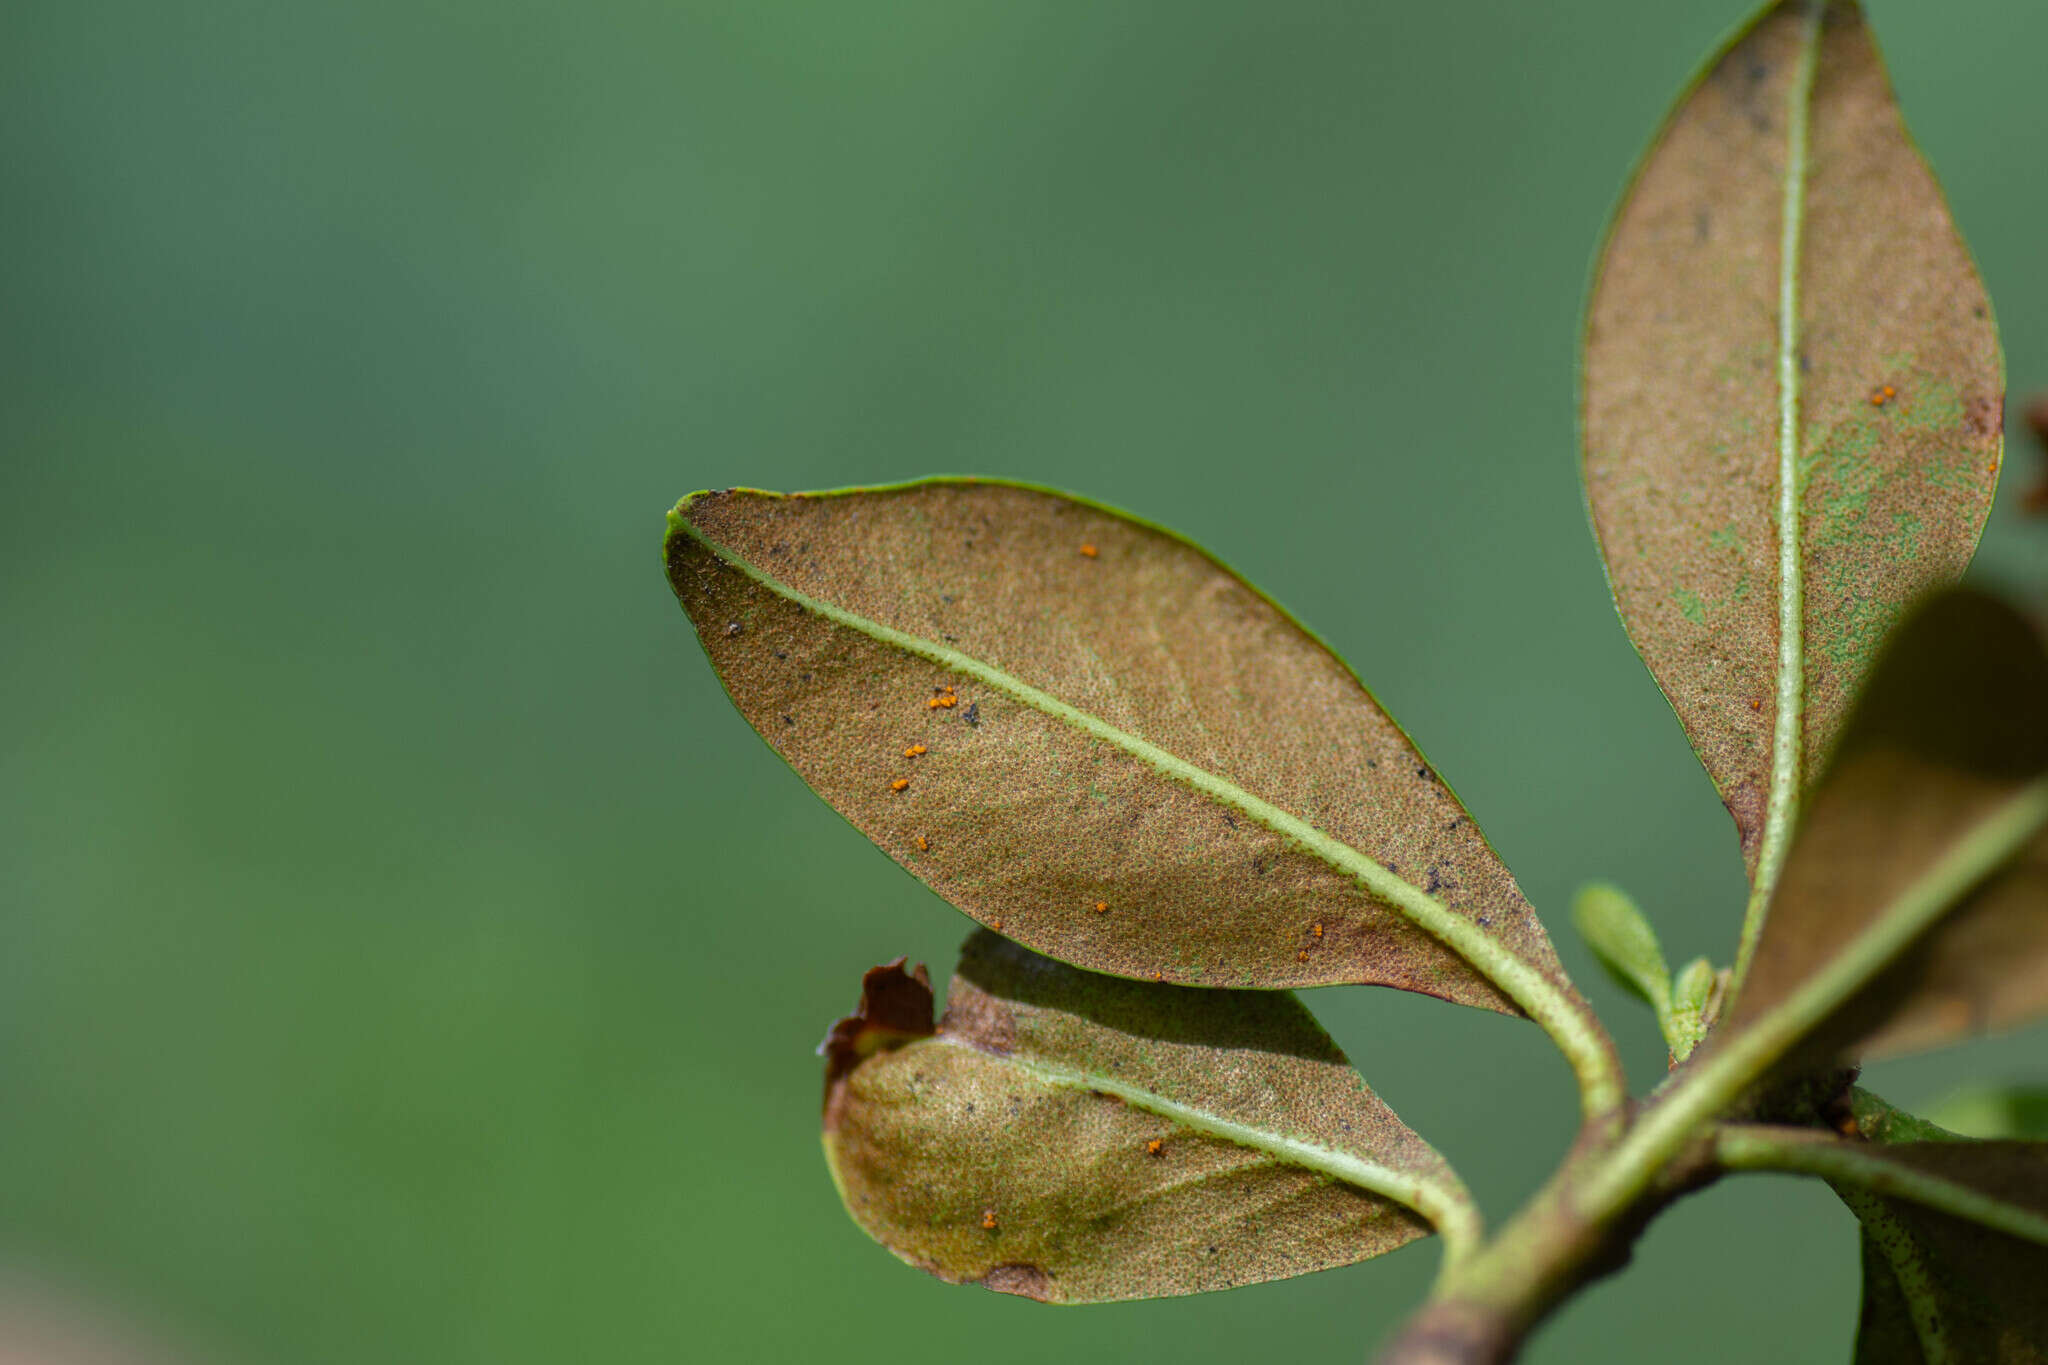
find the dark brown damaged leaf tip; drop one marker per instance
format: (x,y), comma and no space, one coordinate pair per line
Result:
(2034,502)
(895,1008)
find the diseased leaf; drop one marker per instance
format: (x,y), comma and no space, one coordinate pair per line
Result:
(1785,333)
(1073,1137)
(1088,734)
(1913,908)
(895,1008)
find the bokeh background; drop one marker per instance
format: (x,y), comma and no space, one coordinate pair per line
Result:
(408,955)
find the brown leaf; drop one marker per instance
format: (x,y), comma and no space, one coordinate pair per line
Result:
(1953,728)
(1130,759)
(1873,405)
(1974,1291)
(1073,1137)
(895,1008)
(1979,1292)
(1954,1232)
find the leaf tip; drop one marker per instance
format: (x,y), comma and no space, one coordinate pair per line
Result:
(895,1008)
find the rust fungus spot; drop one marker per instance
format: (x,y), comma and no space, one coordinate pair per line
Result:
(900,784)
(1090,551)
(1159,976)
(923,844)
(1156,1147)
(1101,907)
(988,1219)
(1756,703)
(1301,956)
(943,701)
(1880,396)
(996,925)
(913,751)
(1316,928)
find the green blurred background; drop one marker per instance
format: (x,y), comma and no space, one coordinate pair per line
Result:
(408,955)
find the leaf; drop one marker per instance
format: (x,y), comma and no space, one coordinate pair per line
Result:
(1695,1005)
(895,1008)
(1938,1290)
(1087,733)
(1785,332)
(1076,1138)
(1954,1233)
(1913,909)
(1614,928)
(1995,1111)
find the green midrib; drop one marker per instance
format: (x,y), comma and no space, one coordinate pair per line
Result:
(1544,1002)
(1782,809)
(1439,1198)
(1909,1268)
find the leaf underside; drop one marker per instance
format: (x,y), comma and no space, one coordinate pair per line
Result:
(1882,399)
(1073,1137)
(1952,729)
(1944,1290)
(1980,1292)
(1091,736)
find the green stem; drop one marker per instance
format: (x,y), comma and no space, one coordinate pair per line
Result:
(1592,1206)
(1802,1150)
(1727,1070)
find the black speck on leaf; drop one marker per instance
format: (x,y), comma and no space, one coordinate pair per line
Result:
(732,628)
(973,713)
